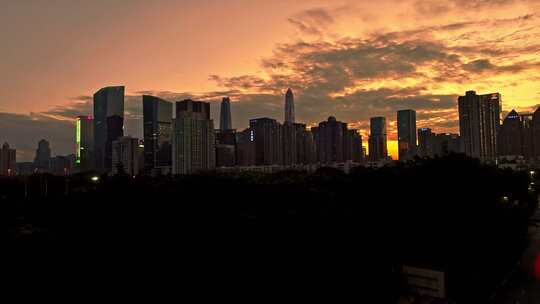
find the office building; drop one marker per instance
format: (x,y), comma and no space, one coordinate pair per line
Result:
(62,165)
(108,124)
(406,125)
(245,148)
(8,160)
(378,149)
(225,148)
(128,156)
(437,145)
(157,130)
(305,146)
(84,143)
(289,106)
(330,140)
(425,142)
(479,122)
(353,147)
(193,138)
(225,120)
(43,155)
(516,135)
(268,138)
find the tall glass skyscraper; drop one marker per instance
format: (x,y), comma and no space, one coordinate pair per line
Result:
(378,149)
(84,154)
(225,122)
(406,121)
(157,117)
(108,124)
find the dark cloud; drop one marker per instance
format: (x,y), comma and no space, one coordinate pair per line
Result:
(312,21)
(436,7)
(478,66)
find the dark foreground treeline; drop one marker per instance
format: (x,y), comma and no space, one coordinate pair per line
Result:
(326,234)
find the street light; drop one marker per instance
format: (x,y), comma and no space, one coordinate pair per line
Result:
(95,178)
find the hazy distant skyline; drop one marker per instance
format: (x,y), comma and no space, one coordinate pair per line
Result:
(349,59)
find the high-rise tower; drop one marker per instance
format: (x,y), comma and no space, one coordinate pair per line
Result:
(479,123)
(406,121)
(108,124)
(289,106)
(225,121)
(157,129)
(377,139)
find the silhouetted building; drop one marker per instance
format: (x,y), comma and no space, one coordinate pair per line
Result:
(8,160)
(527,138)
(353,150)
(289,144)
(225,148)
(43,155)
(267,136)
(305,146)
(108,124)
(479,122)
(128,155)
(84,143)
(245,148)
(444,144)
(535,125)
(406,125)
(510,135)
(289,106)
(378,149)
(194,138)
(437,145)
(516,135)
(225,120)
(157,118)
(62,165)
(329,137)
(425,142)
(25,168)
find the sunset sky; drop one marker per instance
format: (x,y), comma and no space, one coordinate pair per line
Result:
(349,59)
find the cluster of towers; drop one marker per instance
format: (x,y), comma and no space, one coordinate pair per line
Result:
(179,138)
(179,145)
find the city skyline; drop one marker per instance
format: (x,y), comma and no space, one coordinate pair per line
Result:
(318,50)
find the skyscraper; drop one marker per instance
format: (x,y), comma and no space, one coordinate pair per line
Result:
(84,140)
(108,124)
(378,149)
(406,125)
(245,148)
(353,146)
(226,148)
(289,106)
(510,135)
(267,137)
(330,140)
(157,130)
(516,135)
(43,155)
(425,142)
(535,124)
(8,160)
(479,122)
(127,154)
(194,138)
(289,137)
(225,121)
